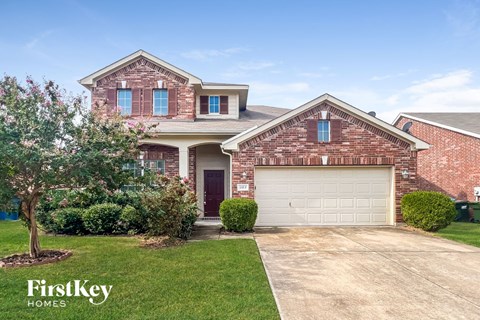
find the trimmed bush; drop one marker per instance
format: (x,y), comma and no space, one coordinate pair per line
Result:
(68,221)
(132,220)
(428,210)
(238,214)
(103,218)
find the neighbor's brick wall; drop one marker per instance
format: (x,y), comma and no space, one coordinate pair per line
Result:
(143,74)
(451,165)
(361,144)
(169,154)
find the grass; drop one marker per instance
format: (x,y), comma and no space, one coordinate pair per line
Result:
(200,280)
(464,232)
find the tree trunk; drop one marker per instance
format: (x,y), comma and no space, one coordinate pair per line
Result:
(28,208)
(34,242)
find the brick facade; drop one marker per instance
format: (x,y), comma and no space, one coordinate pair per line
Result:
(451,165)
(361,145)
(159,152)
(143,74)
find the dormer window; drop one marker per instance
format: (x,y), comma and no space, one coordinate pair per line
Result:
(214,104)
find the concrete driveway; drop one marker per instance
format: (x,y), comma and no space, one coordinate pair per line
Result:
(369,273)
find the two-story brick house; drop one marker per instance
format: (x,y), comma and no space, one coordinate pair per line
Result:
(323,163)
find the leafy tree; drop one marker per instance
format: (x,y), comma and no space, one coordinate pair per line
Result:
(49,141)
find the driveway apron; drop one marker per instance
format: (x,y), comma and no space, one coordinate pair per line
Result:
(369,273)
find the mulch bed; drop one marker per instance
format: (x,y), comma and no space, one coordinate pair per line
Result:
(232,233)
(161,242)
(24,259)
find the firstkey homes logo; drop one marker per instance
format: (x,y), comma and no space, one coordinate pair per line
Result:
(51,295)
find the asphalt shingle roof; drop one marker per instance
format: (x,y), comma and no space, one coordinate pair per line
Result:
(253,116)
(467,121)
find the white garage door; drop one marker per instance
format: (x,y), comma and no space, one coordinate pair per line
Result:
(323,196)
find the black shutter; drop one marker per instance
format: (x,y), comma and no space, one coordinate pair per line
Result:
(203,104)
(111,100)
(223,104)
(335,130)
(312,131)
(172,102)
(135,102)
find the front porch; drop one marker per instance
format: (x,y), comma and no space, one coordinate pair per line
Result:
(203,163)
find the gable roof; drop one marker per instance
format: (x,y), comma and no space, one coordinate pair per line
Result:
(89,81)
(417,144)
(467,123)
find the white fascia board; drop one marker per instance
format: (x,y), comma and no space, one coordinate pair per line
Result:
(417,143)
(433,123)
(226,87)
(89,81)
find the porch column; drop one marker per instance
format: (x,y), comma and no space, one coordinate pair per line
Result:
(183,161)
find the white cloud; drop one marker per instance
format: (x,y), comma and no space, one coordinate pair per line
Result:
(448,81)
(286,95)
(451,92)
(34,42)
(391,76)
(200,55)
(245,69)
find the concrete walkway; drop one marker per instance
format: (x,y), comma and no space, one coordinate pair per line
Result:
(213,231)
(369,273)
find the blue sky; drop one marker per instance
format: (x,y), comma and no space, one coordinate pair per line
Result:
(387,56)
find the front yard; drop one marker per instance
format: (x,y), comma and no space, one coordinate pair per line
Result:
(465,232)
(201,280)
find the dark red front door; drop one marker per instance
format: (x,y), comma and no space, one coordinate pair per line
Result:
(213,191)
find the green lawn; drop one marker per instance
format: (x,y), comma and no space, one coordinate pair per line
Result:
(201,280)
(465,232)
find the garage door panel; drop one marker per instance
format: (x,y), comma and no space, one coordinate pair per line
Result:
(314,203)
(363,203)
(323,196)
(347,203)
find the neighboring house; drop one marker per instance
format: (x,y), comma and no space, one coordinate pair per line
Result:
(452,164)
(323,163)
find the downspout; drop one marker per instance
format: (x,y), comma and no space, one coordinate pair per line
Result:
(231,173)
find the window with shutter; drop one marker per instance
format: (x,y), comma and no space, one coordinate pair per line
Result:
(160,102)
(124,101)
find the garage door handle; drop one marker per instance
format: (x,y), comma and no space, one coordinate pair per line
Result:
(290,204)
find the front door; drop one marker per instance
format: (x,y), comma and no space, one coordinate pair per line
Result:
(214,191)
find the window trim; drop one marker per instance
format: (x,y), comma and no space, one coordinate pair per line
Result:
(321,133)
(122,107)
(153,102)
(218,105)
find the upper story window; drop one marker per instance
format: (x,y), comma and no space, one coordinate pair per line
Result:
(214,104)
(323,131)
(124,101)
(160,102)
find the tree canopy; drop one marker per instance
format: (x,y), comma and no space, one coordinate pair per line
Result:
(50,140)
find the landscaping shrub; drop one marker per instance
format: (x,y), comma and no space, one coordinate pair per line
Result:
(171,209)
(238,214)
(68,221)
(103,218)
(428,210)
(133,220)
